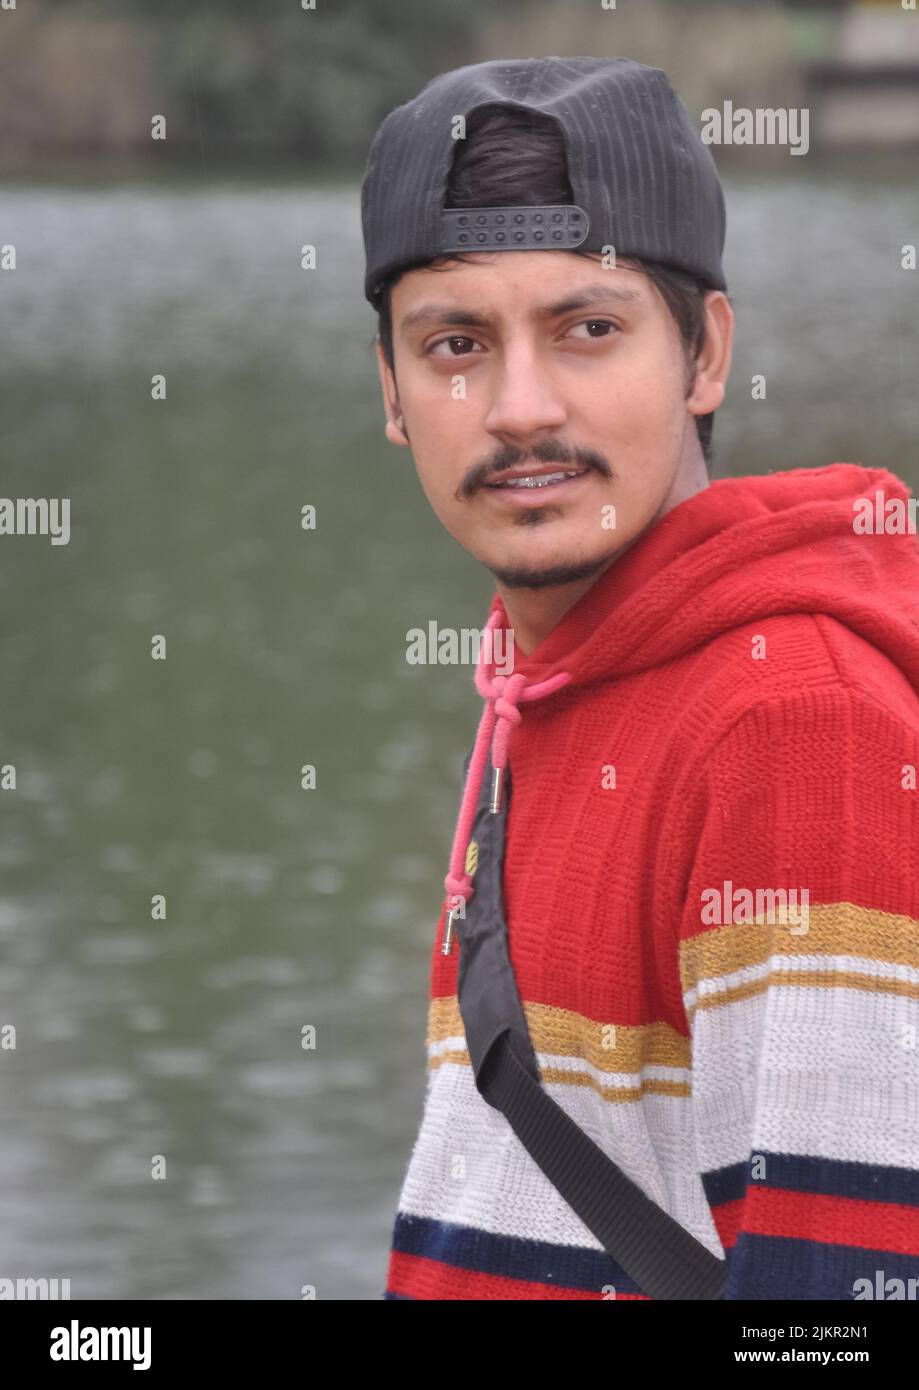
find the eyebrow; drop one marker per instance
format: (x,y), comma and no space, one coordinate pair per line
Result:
(449,314)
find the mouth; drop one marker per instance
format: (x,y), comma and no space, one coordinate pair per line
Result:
(536,487)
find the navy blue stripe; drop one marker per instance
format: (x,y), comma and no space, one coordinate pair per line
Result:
(507,1257)
(759,1267)
(827,1176)
(780,1268)
(725,1184)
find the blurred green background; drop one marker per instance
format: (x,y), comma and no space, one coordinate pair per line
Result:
(138,1037)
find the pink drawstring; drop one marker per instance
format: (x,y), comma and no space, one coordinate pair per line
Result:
(502,695)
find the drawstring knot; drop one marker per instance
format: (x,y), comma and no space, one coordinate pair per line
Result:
(503,696)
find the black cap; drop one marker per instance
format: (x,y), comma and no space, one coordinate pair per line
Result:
(642,178)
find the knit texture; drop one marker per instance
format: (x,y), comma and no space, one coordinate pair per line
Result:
(711,885)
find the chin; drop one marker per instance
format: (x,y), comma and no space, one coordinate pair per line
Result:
(550,573)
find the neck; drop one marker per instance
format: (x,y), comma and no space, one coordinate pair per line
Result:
(534,613)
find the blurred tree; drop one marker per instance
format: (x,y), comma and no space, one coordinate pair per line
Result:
(310,83)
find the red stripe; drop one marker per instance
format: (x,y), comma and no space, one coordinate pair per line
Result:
(727,1218)
(888,1226)
(418,1277)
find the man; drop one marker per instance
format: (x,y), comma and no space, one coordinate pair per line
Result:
(683,896)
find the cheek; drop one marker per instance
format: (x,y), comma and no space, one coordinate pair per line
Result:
(432,412)
(645,386)
(446,439)
(439,470)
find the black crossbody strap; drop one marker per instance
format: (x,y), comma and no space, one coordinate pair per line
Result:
(663,1259)
(655,1251)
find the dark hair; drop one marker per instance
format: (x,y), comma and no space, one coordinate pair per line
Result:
(517,158)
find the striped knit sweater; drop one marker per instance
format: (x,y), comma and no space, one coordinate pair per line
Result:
(711,887)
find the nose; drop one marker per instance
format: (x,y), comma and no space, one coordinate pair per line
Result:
(525,400)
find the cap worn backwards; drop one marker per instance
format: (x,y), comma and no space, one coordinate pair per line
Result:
(644,183)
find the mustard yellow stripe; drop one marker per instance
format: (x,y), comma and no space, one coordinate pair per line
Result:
(613,1094)
(832,929)
(444,1020)
(619,1048)
(564,1033)
(455,1054)
(616,1094)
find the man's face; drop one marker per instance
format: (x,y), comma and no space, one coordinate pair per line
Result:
(536,362)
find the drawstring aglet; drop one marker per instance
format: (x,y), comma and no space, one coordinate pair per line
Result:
(447,945)
(497,790)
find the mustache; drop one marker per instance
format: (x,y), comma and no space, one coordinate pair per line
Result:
(545,451)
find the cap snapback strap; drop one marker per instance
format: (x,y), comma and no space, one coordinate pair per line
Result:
(562,225)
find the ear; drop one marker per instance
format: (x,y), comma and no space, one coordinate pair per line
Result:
(713,364)
(395,430)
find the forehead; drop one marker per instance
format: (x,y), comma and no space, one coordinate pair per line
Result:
(526,281)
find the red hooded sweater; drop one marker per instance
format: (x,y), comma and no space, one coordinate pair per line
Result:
(711,889)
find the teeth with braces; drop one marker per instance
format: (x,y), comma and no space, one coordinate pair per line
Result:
(542,480)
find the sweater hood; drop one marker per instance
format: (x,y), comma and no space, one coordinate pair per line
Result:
(741,550)
(838,540)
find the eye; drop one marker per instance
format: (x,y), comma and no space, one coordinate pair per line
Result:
(598,323)
(442,342)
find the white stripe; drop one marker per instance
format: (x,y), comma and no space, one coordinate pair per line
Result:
(468,1167)
(718,984)
(456,1043)
(580,1066)
(831,1073)
(624,1080)
(819,964)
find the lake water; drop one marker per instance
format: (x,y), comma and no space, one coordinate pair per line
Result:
(147,1042)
